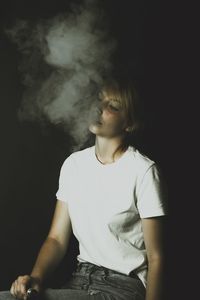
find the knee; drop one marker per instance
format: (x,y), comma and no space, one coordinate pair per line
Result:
(6,296)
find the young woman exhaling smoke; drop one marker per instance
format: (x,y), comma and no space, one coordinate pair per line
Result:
(111,197)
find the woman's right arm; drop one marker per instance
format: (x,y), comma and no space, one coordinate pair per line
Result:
(50,254)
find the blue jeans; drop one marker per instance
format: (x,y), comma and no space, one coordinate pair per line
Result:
(94,283)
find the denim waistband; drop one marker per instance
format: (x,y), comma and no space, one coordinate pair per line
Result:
(89,267)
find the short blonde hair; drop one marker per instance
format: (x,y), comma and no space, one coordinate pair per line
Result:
(125,91)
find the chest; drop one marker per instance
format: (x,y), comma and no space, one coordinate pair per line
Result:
(103,192)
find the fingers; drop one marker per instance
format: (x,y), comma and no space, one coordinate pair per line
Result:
(19,287)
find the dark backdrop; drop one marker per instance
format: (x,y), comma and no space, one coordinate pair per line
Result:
(31,156)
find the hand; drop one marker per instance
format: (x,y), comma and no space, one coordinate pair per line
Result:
(22,283)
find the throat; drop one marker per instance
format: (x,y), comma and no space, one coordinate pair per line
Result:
(108,151)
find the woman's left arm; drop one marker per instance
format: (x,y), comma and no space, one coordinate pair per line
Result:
(153,229)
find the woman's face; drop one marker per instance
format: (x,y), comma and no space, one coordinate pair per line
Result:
(112,118)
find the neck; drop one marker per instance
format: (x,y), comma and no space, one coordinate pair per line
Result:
(108,150)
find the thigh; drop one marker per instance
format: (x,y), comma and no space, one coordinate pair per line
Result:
(70,294)
(6,296)
(125,287)
(63,294)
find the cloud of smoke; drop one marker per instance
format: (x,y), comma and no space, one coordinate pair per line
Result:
(65,60)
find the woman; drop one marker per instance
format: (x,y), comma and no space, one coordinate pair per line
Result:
(111,197)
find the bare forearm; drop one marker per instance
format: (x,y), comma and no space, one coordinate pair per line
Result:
(50,255)
(155,280)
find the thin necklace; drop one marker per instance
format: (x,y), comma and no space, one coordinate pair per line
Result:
(101,161)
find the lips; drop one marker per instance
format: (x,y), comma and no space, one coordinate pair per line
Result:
(99,122)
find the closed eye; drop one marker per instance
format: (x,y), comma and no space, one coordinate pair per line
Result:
(111,105)
(114,108)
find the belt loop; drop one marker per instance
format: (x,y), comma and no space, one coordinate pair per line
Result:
(79,265)
(106,272)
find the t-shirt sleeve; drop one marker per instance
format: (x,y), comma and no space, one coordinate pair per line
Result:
(152,194)
(66,180)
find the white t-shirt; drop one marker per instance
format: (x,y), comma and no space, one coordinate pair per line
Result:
(106,204)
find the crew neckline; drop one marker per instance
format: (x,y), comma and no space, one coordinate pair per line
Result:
(112,163)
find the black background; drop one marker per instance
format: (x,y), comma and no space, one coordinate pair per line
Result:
(31,156)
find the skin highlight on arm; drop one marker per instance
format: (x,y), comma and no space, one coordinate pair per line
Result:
(55,245)
(153,237)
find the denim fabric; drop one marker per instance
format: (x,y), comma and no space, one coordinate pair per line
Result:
(95,283)
(99,280)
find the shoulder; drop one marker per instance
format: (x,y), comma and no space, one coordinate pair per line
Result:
(149,172)
(82,154)
(141,161)
(78,156)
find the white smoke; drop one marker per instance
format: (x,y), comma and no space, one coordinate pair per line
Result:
(65,61)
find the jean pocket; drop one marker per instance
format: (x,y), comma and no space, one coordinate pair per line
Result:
(124,282)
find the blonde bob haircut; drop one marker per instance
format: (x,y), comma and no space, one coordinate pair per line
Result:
(125,91)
